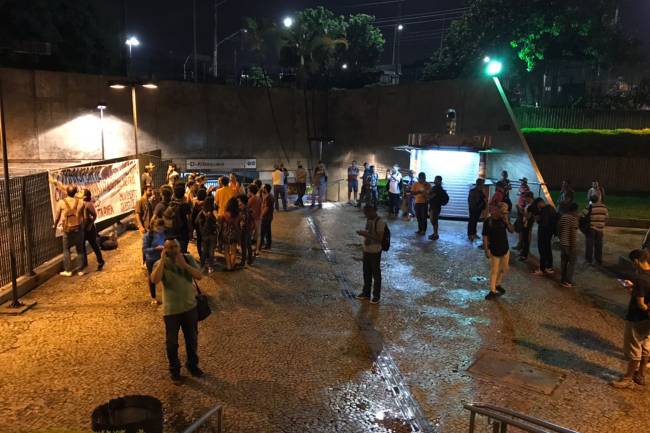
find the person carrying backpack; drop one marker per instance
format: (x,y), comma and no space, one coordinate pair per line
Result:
(70,214)
(437,200)
(177,217)
(376,239)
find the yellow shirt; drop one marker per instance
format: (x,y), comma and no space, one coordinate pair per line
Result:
(425,188)
(223,195)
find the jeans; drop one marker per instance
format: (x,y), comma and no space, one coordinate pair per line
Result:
(372,197)
(76,240)
(302,187)
(544,245)
(320,190)
(526,233)
(499,266)
(568,263)
(188,322)
(280,192)
(372,271)
(266,232)
(474,217)
(91,236)
(594,246)
(246,247)
(208,244)
(435,217)
(152,286)
(394,203)
(421,214)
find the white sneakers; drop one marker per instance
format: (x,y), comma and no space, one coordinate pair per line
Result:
(65,273)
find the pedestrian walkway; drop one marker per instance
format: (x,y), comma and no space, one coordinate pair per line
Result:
(287,351)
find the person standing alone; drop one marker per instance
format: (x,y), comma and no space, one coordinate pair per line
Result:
(319,185)
(372,247)
(176,271)
(278,177)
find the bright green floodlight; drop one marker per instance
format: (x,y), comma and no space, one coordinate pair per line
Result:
(493,68)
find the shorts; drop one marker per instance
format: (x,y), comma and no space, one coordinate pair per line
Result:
(353,185)
(636,343)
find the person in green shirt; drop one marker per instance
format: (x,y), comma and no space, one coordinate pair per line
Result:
(176,271)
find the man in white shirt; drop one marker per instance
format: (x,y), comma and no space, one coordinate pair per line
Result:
(394,179)
(372,247)
(278,188)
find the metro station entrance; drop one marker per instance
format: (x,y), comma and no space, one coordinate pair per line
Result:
(456,158)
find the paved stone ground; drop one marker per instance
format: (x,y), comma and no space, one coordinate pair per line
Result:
(287,351)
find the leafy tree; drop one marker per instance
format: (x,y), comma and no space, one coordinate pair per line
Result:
(83,39)
(529,35)
(257,77)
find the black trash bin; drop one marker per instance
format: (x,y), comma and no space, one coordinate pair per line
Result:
(131,413)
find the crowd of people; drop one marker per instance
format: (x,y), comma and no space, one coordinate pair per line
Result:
(235,222)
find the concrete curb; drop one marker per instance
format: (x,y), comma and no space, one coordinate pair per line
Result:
(49,269)
(629,223)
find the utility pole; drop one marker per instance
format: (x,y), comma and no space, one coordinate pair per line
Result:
(196,75)
(395,37)
(215,50)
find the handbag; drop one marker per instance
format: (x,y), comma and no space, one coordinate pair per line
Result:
(202,306)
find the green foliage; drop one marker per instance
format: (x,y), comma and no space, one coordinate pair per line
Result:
(83,38)
(609,132)
(528,34)
(319,43)
(257,77)
(624,206)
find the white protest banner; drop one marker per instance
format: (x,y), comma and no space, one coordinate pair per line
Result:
(115,187)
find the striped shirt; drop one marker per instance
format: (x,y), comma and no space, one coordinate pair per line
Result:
(568,228)
(598,217)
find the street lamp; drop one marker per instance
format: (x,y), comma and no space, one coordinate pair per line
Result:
(101,107)
(493,68)
(132,41)
(134,103)
(400,27)
(344,66)
(288,22)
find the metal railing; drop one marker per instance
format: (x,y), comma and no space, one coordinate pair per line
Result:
(501,418)
(199,422)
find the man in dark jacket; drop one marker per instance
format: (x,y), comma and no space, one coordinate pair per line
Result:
(477,202)
(546,217)
(437,200)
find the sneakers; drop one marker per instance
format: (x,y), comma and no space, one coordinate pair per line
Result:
(501,290)
(81,273)
(434,237)
(65,273)
(538,272)
(362,297)
(100,266)
(374,301)
(491,295)
(155,302)
(566,284)
(623,383)
(196,372)
(549,271)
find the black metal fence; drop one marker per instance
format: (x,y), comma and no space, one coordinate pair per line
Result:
(31,213)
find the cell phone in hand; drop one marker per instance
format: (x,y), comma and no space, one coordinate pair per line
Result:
(625,283)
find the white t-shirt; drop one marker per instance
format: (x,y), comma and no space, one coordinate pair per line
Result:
(393,183)
(278,177)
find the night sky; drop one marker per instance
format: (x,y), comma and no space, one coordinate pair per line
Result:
(165,26)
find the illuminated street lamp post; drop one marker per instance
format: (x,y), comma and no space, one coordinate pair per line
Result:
(131,42)
(15,303)
(118,85)
(287,22)
(101,107)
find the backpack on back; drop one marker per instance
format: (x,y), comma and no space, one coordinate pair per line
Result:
(71,217)
(445,198)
